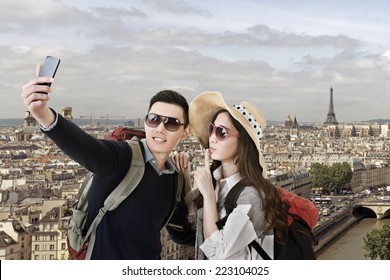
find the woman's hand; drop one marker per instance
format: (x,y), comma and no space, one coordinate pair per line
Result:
(203,179)
(204,182)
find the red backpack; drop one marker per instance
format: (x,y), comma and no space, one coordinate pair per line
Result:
(126,133)
(301,218)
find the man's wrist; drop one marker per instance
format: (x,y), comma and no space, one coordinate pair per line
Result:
(53,124)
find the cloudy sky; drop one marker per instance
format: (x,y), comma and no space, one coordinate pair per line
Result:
(283,56)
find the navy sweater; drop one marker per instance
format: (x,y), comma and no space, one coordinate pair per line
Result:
(131,231)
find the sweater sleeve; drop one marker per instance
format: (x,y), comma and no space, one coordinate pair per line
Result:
(256,213)
(97,155)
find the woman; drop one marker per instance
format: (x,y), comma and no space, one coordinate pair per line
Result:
(231,136)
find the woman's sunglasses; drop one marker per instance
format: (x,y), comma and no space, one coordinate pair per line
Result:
(170,123)
(220,132)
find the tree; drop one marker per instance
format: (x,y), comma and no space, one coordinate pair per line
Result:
(377,243)
(332,178)
(318,174)
(341,175)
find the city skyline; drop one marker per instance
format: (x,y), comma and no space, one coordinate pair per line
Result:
(283,57)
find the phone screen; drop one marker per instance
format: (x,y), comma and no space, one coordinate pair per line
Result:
(49,67)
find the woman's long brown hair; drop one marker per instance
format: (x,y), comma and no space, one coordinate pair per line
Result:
(251,172)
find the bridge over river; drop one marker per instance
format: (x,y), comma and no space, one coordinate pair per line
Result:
(380,207)
(335,225)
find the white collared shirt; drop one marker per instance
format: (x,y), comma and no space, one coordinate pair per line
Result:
(170,166)
(232,241)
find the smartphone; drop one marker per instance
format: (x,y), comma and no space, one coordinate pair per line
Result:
(49,68)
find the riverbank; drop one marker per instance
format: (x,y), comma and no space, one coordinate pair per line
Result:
(328,234)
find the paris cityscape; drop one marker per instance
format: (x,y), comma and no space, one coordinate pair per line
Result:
(318,71)
(39,182)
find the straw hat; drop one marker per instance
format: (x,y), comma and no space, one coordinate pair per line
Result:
(204,107)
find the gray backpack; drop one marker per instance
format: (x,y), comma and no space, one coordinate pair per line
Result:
(80,246)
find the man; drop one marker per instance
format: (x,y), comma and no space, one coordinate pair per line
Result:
(131,231)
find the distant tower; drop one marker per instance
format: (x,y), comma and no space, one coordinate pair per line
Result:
(288,123)
(29,120)
(29,129)
(331,117)
(67,113)
(353,131)
(295,127)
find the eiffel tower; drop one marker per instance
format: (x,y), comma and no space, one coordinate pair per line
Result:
(331,116)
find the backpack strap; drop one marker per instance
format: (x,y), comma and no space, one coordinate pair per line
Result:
(259,250)
(230,203)
(130,181)
(82,195)
(120,193)
(179,184)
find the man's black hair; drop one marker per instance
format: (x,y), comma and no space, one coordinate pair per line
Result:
(171,97)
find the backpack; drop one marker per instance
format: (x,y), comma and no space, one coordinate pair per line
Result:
(302,216)
(125,133)
(80,246)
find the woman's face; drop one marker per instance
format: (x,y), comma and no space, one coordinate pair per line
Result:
(224,149)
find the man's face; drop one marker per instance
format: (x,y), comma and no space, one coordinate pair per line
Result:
(159,139)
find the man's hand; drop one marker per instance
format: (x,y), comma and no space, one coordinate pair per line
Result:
(35,97)
(182,163)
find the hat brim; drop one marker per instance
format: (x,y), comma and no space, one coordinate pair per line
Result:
(202,110)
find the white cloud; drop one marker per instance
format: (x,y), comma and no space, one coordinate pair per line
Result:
(116,55)
(177,7)
(387,54)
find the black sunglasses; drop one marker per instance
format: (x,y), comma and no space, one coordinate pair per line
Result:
(170,123)
(220,132)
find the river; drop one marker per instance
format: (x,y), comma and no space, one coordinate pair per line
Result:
(349,245)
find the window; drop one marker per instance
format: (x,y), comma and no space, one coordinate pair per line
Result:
(51,247)
(36,257)
(51,257)
(36,237)
(52,237)
(36,247)
(63,246)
